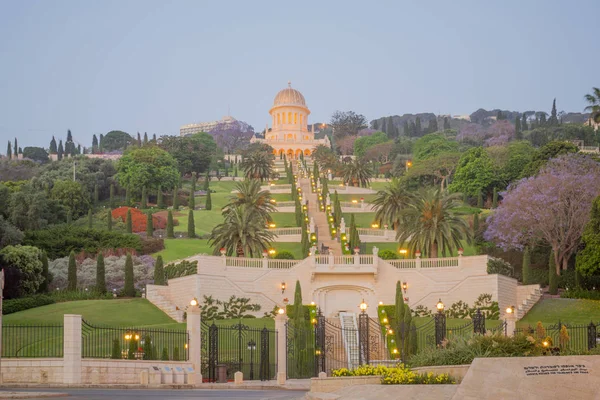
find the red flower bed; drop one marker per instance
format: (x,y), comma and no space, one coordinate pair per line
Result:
(138,219)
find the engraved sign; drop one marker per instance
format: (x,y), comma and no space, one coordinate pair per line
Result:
(558,369)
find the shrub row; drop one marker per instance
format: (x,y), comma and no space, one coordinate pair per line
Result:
(399,375)
(580,294)
(25,303)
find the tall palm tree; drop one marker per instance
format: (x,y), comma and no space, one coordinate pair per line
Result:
(358,172)
(248,193)
(257,165)
(594,107)
(242,234)
(431,222)
(389,203)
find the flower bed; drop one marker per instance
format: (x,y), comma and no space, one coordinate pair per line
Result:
(399,375)
(138,219)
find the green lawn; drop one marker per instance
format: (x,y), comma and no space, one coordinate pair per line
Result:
(572,311)
(363,220)
(284,220)
(294,248)
(176,249)
(282,196)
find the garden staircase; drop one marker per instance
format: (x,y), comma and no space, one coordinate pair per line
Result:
(164,304)
(350,338)
(530,300)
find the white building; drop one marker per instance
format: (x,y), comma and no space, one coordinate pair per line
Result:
(226,123)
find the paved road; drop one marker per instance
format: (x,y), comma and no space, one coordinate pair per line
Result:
(121,394)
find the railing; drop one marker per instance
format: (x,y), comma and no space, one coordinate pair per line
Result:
(580,337)
(32,340)
(439,262)
(285,204)
(286,231)
(283,264)
(403,264)
(243,262)
(133,343)
(277,187)
(349,204)
(371,232)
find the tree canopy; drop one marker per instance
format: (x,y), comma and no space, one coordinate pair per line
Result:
(148,166)
(432,145)
(193,153)
(116,140)
(474,173)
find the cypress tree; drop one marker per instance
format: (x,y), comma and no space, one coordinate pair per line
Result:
(542,119)
(94,144)
(128,224)
(109,220)
(9,150)
(129,289)
(128,196)
(115,354)
(206,181)
(208,204)
(176,199)
(90,219)
(149,225)
(100,274)
(72,273)
(298,316)
(170,233)
(53,148)
(78,149)
(299,214)
(553,121)
(433,125)
(44,285)
(69,217)
(526,266)
(518,133)
(139,140)
(480,199)
(145,137)
(192,200)
(160,201)
(16,147)
(552,277)
(406,129)
(305,240)
(406,333)
(235,171)
(60,150)
(418,129)
(112,195)
(475,224)
(101,143)
(191,226)
(495,198)
(165,355)
(399,317)
(144,202)
(159,272)
(96,194)
(148,350)
(446,123)
(524,123)
(154,137)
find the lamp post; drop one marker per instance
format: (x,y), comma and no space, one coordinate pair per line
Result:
(363,334)
(252,347)
(440,323)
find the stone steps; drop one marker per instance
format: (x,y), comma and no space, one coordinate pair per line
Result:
(528,303)
(166,306)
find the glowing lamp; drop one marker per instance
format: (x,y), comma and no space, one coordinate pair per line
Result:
(272,252)
(354,201)
(194,302)
(281,311)
(385,320)
(395,351)
(272,225)
(374,226)
(404,286)
(391,331)
(282,287)
(403,251)
(312,303)
(313,321)
(545,343)
(440,306)
(363,306)
(381,303)
(510,310)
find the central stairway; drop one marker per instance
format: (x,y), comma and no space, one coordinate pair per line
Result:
(350,338)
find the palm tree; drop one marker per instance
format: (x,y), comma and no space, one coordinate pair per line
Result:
(432,222)
(248,193)
(243,233)
(389,203)
(594,107)
(358,172)
(257,165)
(325,158)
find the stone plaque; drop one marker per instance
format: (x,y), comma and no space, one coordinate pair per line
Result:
(555,377)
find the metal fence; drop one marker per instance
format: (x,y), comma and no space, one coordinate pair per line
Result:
(32,340)
(133,343)
(238,347)
(576,337)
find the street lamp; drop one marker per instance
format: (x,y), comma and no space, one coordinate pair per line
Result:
(252,347)
(404,286)
(194,302)
(363,306)
(440,306)
(282,287)
(440,323)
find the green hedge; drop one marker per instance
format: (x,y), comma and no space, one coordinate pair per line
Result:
(58,241)
(25,303)
(183,268)
(580,294)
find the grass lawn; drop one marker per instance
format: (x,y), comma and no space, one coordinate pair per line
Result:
(572,311)
(363,220)
(281,196)
(176,249)
(294,248)
(284,220)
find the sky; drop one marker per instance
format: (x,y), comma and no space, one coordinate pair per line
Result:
(152,66)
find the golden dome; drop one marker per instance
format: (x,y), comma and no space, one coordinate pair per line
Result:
(289,97)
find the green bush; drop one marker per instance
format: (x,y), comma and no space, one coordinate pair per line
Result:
(580,294)
(284,255)
(25,303)
(151,245)
(388,255)
(499,266)
(183,268)
(399,375)
(58,241)
(116,350)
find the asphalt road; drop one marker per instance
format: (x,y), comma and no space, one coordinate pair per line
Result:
(122,394)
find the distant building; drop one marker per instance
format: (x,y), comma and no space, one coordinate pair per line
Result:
(227,123)
(463,117)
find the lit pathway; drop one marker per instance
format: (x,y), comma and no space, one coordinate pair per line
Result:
(320,218)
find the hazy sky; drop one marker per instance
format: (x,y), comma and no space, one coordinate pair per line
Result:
(96,65)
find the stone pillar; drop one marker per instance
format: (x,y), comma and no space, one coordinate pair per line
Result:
(194,329)
(418,260)
(72,349)
(265,262)
(312,225)
(511,324)
(375,256)
(280,321)
(342,226)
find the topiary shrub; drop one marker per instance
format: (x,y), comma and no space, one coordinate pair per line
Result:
(388,255)
(284,255)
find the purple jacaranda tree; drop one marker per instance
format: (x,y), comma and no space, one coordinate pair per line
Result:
(499,133)
(553,206)
(232,137)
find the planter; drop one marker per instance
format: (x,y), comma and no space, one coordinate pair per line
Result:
(331,384)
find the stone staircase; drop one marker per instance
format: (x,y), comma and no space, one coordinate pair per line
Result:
(532,298)
(164,304)
(350,336)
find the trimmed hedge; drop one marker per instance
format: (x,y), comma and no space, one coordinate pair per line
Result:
(25,303)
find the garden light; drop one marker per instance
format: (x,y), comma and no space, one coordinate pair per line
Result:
(281,311)
(440,306)
(374,226)
(545,343)
(194,302)
(381,303)
(272,252)
(312,303)
(395,351)
(403,251)
(391,331)
(354,201)
(363,306)
(404,286)
(510,310)
(313,321)
(385,320)
(282,287)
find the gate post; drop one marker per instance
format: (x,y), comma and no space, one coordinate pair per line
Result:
(72,349)
(479,323)
(280,321)
(194,331)
(264,355)
(440,327)
(320,343)
(363,339)
(591,330)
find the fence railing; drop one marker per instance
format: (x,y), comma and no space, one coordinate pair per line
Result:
(579,337)
(285,204)
(348,204)
(372,232)
(286,231)
(32,340)
(283,264)
(439,262)
(133,343)
(276,187)
(243,262)
(403,264)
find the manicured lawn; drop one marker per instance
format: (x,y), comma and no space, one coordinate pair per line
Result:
(363,220)
(176,249)
(572,311)
(281,196)
(284,220)
(294,248)
(204,221)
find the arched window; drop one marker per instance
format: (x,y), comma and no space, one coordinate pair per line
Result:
(295,118)
(289,117)
(278,118)
(301,120)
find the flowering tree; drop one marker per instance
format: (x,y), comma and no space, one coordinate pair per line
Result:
(553,206)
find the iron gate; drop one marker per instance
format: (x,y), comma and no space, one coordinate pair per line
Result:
(238,347)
